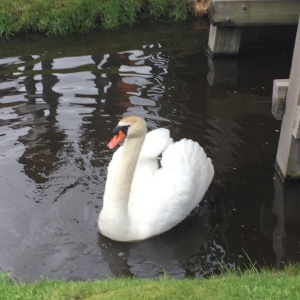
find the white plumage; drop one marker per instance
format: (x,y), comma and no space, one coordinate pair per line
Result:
(142,199)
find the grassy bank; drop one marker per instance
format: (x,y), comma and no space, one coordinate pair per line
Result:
(250,285)
(63,16)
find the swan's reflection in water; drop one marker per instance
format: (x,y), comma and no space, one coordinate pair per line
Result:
(176,252)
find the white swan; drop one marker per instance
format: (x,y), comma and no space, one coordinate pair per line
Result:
(142,199)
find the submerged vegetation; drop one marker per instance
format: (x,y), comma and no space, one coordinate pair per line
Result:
(63,16)
(252,284)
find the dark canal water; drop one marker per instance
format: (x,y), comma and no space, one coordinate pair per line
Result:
(60,99)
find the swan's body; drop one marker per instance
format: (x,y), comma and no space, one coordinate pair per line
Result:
(142,200)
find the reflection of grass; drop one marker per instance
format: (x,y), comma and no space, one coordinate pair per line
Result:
(252,284)
(62,16)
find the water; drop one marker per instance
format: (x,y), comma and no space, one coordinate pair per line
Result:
(60,99)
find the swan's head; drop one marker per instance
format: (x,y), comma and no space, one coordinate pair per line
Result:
(129,127)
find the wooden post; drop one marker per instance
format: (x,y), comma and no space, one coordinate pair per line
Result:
(280,87)
(224,40)
(288,153)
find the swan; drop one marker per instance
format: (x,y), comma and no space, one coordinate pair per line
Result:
(141,198)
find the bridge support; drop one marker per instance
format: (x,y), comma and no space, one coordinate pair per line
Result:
(227,17)
(288,153)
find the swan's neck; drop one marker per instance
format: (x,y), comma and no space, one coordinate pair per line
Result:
(125,170)
(114,220)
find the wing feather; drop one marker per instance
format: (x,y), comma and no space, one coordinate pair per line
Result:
(177,187)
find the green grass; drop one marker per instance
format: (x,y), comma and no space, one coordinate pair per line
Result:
(57,17)
(265,284)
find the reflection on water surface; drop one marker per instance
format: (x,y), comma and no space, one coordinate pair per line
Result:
(60,99)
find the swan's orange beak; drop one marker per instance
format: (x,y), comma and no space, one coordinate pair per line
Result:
(117,139)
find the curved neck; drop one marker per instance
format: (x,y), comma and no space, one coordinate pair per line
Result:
(125,170)
(114,220)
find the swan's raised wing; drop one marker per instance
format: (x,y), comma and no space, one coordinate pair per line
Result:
(176,188)
(156,142)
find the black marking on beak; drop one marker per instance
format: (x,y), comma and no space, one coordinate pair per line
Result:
(122,128)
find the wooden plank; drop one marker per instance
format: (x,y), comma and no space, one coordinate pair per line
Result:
(254,12)
(288,152)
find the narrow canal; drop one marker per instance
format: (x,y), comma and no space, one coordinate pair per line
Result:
(61,97)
